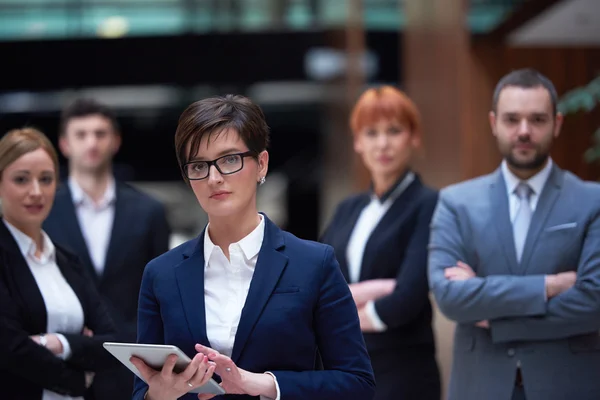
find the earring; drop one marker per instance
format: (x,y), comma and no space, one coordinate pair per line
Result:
(262,180)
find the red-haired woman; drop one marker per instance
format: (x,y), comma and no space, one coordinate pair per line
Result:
(380,239)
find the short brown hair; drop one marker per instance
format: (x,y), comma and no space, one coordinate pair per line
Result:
(85,107)
(215,115)
(384,102)
(526,78)
(18,142)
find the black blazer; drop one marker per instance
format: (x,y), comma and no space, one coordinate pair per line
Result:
(140,232)
(397,248)
(27,368)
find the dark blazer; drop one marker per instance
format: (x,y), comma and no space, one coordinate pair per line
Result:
(298,302)
(397,248)
(140,233)
(27,368)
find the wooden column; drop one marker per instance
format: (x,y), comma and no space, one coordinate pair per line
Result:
(453,91)
(343,172)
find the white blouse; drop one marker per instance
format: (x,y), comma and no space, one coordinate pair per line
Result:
(64,311)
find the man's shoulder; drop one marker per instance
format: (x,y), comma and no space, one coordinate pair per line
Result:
(136,196)
(471,187)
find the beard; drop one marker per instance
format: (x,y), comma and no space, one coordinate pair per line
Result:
(535,163)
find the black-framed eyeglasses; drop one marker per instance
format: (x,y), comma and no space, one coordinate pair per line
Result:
(226,165)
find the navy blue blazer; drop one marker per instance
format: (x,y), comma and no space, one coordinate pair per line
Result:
(298,306)
(396,249)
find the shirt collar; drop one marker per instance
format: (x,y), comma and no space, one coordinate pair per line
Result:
(397,188)
(27,245)
(250,244)
(80,197)
(536,182)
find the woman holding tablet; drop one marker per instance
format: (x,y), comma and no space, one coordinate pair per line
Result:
(52,321)
(269,313)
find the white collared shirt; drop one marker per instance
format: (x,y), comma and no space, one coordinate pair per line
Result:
(95,221)
(368,220)
(63,309)
(226,286)
(536,183)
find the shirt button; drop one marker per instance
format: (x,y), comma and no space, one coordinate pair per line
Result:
(511,352)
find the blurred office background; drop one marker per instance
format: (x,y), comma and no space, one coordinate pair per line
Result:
(304,62)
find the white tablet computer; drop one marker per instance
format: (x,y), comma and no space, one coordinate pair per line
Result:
(155,356)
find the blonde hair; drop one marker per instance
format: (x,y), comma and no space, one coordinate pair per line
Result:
(18,142)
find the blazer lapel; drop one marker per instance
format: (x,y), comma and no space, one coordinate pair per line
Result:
(123,223)
(190,280)
(543,209)
(392,217)
(345,233)
(66,208)
(25,287)
(269,267)
(501,220)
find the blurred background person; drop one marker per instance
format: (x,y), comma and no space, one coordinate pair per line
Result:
(52,320)
(380,238)
(113,228)
(258,301)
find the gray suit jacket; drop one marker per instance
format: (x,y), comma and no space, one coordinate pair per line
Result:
(557,341)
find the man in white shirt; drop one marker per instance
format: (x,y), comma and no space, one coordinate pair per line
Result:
(114,228)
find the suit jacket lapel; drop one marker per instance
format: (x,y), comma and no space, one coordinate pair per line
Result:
(24,282)
(393,216)
(64,201)
(123,222)
(190,280)
(501,220)
(269,267)
(543,209)
(345,233)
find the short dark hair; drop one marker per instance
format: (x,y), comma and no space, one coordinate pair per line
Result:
(525,78)
(84,107)
(215,115)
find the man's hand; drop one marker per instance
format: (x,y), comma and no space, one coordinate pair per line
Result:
(460,272)
(559,283)
(485,324)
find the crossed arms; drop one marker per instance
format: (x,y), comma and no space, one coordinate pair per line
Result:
(527,308)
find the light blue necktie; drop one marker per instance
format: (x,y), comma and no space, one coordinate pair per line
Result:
(523,218)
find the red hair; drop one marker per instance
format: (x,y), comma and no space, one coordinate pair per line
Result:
(385,102)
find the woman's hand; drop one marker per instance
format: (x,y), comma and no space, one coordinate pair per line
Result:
(166,384)
(363,292)
(235,380)
(52,343)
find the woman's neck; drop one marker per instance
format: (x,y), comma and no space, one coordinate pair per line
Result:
(224,231)
(383,183)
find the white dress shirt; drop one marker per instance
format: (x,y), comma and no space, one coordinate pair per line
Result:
(365,225)
(226,286)
(536,183)
(64,311)
(95,221)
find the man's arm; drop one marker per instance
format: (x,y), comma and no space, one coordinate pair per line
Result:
(162,232)
(574,312)
(479,298)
